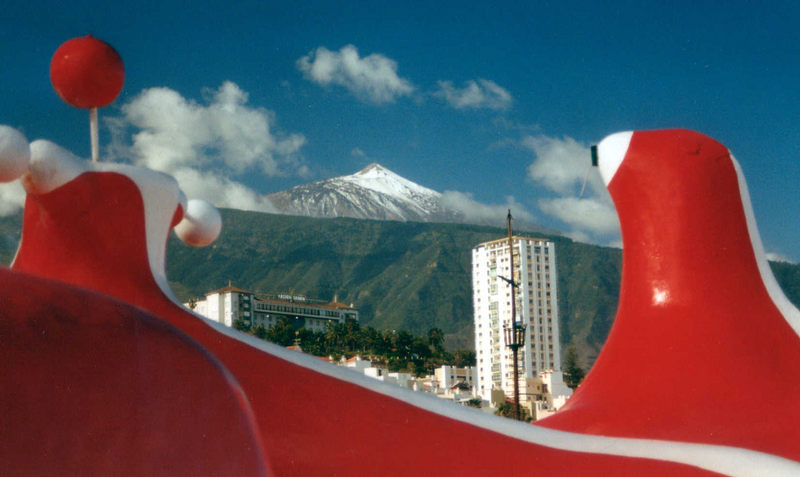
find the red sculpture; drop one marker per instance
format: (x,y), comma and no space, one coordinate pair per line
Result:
(87,72)
(705,345)
(94,386)
(103,227)
(105,373)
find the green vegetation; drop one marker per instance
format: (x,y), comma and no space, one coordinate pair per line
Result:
(401,276)
(397,350)
(573,373)
(475,402)
(506,409)
(411,276)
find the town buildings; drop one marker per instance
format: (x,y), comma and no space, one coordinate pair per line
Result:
(447,382)
(546,391)
(230,304)
(536,308)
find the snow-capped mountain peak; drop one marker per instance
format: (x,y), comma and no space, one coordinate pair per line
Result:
(371,193)
(375,193)
(378,178)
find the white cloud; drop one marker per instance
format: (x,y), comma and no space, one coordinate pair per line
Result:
(778,257)
(478,212)
(372,78)
(590,215)
(12,198)
(220,191)
(206,146)
(562,166)
(480,94)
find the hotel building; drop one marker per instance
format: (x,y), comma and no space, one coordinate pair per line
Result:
(230,304)
(536,308)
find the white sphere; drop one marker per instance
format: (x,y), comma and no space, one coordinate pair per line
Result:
(14,154)
(201,224)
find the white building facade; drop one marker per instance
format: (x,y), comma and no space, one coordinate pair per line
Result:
(229,304)
(536,308)
(448,376)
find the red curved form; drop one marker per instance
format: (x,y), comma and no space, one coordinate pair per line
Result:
(312,421)
(92,386)
(699,350)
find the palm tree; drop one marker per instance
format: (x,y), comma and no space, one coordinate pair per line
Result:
(573,374)
(259,331)
(436,340)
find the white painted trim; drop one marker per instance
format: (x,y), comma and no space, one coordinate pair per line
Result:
(161,197)
(727,460)
(732,461)
(790,313)
(158,189)
(611,152)
(52,166)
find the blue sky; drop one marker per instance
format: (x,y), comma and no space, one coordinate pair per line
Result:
(492,103)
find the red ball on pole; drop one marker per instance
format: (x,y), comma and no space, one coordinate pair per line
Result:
(87,72)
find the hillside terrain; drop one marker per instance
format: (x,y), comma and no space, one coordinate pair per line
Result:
(401,275)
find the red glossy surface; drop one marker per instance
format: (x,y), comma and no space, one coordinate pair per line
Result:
(92,386)
(698,351)
(87,72)
(311,424)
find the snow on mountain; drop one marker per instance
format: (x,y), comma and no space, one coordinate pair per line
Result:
(375,193)
(380,179)
(372,193)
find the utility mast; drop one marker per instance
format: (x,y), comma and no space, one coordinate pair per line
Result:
(514,334)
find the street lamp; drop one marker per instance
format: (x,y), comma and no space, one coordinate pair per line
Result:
(514,334)
(515,339)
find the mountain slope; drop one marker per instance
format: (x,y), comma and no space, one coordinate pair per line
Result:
(372,193)
(409,275)
(401,275)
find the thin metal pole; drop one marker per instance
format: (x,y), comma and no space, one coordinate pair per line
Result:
(514,344)
(94,134)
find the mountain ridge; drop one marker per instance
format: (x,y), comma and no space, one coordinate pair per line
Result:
(377,193)
(374,192)
(401,275)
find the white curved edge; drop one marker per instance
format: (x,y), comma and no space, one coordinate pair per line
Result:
(790,313)
(52,166)
(15,154)
(49,167)
(611,152)
(727,460)
(158,189)
(161,197)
